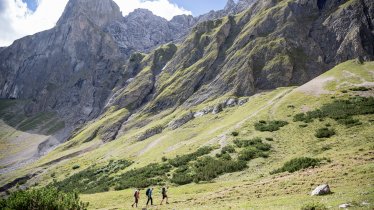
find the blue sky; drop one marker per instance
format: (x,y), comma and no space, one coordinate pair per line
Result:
(31,4)
(197,7)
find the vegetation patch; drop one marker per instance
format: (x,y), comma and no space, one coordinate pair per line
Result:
(324,133)
(92,180)
(43,198)
(362,88)
(235,133)
(208,168)
(255,143)
(340,110)
(297,164)
(314,206)
(270,125)
(184,159)
(152,174)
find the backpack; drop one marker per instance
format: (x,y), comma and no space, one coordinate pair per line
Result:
(147,192)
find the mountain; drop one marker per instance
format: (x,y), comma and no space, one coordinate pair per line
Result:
(100,96)
(141,30)
(270,45)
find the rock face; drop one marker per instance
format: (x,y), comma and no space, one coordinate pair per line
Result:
(90,61)
(321,190)
(181,121)
(71,68)
(150,132)
(142,31)
(267,46)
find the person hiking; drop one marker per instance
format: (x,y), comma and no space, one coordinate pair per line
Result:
(164,195)
(149,195)
(136,196)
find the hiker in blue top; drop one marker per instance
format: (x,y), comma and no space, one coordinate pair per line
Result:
(149,195)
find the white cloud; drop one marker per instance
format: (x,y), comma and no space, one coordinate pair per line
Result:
(162,8)
(17,21)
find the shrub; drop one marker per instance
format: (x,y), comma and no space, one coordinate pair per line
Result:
(297,164)
(164,159)
(313,206)
(43,198)
(209,168)
(93,179)
(269,139)
(270,126)
(303,125)
(324,133)
(226,156)
(349,122)
(184,159)
(256,142)
(181,178)
(235,133)
(362,88)
(248,154)
(75,167)
(228,149)
(339,110)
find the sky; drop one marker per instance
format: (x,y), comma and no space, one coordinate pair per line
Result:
(19,18)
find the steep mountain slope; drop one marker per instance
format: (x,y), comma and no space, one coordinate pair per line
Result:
(270,45)
(181,96)
(348,171)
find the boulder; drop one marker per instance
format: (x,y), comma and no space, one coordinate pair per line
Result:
(321,190)
(150,132)
(181,121)
(344,205)
(217,109)
(232,102)
(242,101)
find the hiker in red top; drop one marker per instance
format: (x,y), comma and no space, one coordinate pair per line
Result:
(136,196)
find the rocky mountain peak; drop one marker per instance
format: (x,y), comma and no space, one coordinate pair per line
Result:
(99,12)
(141,13)
(230,5)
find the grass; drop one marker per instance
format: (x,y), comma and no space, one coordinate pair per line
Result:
(349,173)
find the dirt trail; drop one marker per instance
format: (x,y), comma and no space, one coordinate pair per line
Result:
(150,146)
(272,102)
(316,86)
(222,138)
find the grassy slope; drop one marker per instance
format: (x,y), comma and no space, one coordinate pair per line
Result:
(350,173)
(20,135)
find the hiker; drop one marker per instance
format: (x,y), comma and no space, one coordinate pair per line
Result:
(149,195)
(164,195)
(136,196)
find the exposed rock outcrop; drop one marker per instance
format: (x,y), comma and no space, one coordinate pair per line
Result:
(181,121)
(142,31)
(150,132)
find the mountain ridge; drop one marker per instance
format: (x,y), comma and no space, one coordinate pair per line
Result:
(94,92)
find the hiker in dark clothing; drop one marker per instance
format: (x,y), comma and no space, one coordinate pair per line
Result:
(149,195)
(164,195)
(136,196)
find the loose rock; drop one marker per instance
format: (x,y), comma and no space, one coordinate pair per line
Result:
(321,190)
